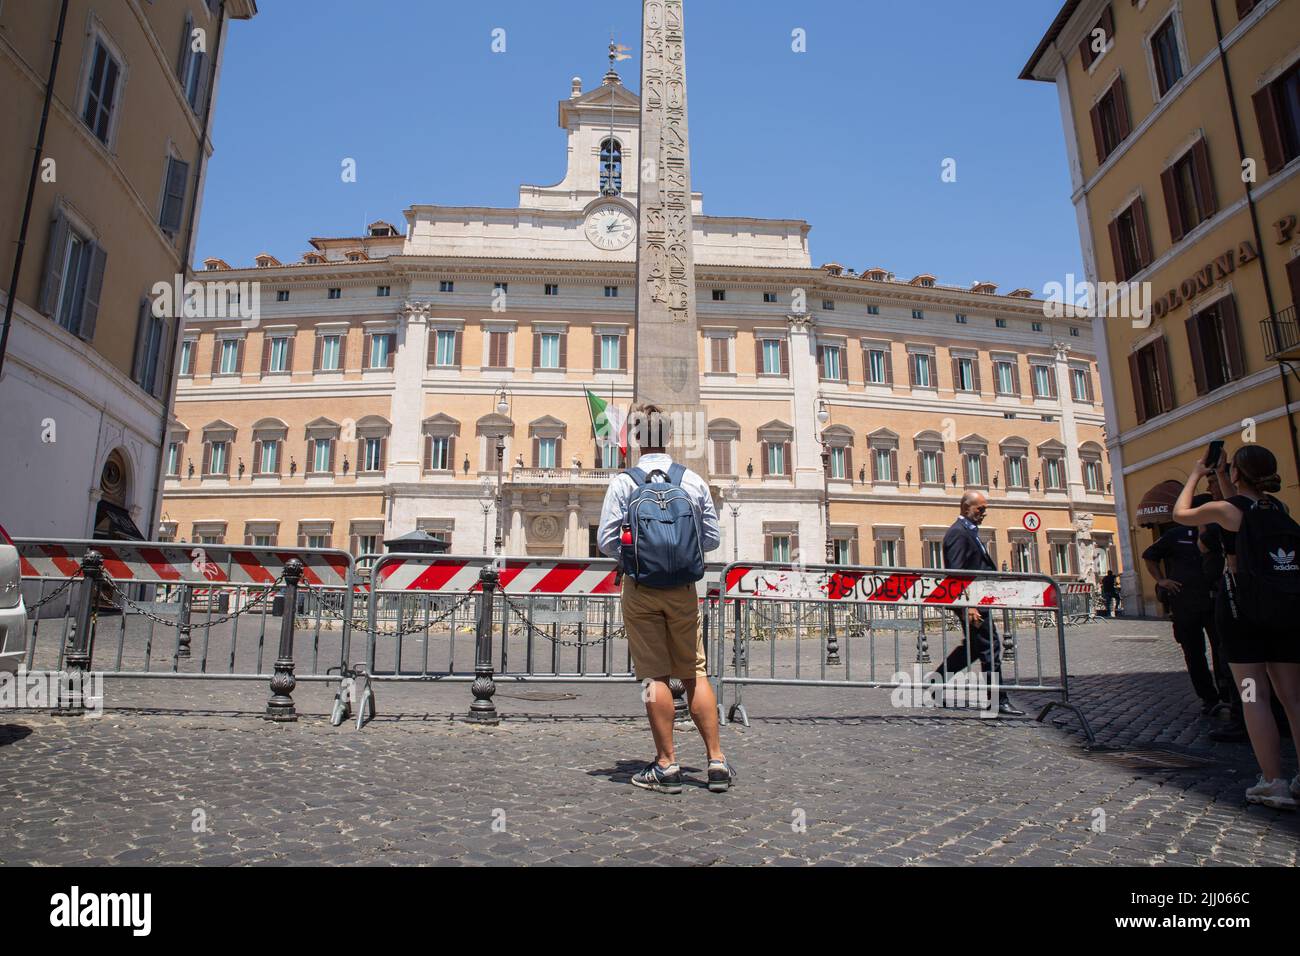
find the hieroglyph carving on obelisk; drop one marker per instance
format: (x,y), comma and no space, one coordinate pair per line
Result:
(667,370)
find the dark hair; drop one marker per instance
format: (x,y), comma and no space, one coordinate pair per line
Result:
(650,427)
(1257,466)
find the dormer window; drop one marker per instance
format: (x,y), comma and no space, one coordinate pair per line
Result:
(611,167)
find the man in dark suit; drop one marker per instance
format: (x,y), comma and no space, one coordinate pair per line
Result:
(964,551)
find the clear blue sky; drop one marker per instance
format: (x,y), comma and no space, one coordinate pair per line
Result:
(849,135)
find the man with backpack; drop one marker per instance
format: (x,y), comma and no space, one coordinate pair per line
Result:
(658,520)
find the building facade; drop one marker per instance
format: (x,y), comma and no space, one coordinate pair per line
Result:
(368,398)
(88,368)
(1182,126)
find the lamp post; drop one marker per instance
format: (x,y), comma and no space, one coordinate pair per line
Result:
(486,499)
(732,496)
(503,408)
(823,417)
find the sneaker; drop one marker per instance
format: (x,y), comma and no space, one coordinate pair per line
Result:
(1271,793)
(661,779)
(721,776)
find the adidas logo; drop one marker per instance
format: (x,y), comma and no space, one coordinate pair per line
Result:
(1283,560)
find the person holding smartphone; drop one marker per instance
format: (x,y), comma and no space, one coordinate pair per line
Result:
(1264,655)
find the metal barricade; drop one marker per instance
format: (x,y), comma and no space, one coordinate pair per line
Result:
(863,627)
(1078,602)
(480,620)
(147,609)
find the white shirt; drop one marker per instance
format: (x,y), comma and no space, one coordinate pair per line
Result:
(613,515)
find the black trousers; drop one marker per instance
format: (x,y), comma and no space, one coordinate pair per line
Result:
(985,646)
(1193,623)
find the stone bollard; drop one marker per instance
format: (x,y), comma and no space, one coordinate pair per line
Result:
(183,621)
(681,708)
(77,662)
(832,642)
(484,710)
(280,707)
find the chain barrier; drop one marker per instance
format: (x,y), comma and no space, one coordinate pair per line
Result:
(53,594)
(533,629)
(357,624)
(143,611)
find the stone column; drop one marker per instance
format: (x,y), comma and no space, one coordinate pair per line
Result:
(515,539)
(803,411)
(575,545)
(1069,427)
(405,451)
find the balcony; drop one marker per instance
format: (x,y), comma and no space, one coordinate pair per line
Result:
(560,477)
(1281,335)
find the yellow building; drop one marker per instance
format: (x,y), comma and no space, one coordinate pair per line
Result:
(87,366)
(366,397)
(1182,127)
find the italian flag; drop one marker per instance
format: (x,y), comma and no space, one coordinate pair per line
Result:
(608,421)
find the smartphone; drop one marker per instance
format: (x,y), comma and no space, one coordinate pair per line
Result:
(1213,453)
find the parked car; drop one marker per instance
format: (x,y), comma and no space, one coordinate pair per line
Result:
(13,615)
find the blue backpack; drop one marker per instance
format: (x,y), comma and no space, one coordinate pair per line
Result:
(665,524)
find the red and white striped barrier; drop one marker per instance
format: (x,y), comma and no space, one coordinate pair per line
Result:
(1078,587)
(887,587)
(516,575)
(154,563)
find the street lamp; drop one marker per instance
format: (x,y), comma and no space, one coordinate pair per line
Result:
(503,408)
(486,498)
(731,494)
(823,417)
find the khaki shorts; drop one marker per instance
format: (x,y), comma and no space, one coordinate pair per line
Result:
(663,631)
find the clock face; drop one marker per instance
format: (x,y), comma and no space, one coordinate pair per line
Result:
(610,227)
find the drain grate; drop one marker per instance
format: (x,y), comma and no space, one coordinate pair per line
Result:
(1148,758)
(1137,640)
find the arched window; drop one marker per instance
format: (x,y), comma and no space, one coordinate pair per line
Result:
(611,166)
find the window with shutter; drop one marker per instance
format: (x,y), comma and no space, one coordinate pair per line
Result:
(1130,241)
(174,186)
(719,354)
(1110,120)
(1277,111)
(1097,40)
(101,92)
(1165,56)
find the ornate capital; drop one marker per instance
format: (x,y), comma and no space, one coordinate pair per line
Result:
(801,321)
(415,310)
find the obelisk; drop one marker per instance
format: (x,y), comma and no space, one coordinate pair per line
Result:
(667,366)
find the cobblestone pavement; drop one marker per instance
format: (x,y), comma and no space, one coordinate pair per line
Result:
(180,772)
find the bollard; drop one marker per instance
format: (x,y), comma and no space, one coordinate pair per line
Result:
(183,620)
(681,709)
(77,662)
(280,707)
(832,642)
(483,710)
(1008,635)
